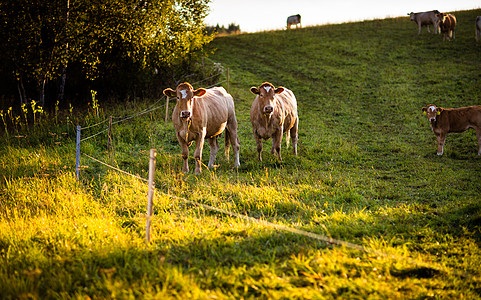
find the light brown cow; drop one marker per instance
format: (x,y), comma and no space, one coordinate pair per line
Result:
(273,112)
(425,18)
(447,24)
(445,120)
(203,114)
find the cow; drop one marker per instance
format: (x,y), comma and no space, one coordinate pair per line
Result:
(478,28)
(447,24)
(294,20)
(425,19)
(273,112)
(446,120)
(203,114)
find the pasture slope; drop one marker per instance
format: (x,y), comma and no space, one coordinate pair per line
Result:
(367,173)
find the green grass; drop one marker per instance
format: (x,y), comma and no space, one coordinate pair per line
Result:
(367,173)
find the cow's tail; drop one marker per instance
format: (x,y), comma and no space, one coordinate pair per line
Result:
(227,143)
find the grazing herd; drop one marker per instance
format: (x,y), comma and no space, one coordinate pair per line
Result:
(206,113)
(442,23)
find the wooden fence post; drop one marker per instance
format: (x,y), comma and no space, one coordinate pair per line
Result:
(167,109)
(150,196)
(77,159)
(109,140)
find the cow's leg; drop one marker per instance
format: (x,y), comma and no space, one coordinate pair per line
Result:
(478,135)
(294,136)
(419,31)
(185,156)
(214,148)
(276,143)
(429,31)
(199,145)
(231,134)
(259,145)
(441,138)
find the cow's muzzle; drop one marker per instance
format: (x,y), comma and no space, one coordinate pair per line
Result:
(268,109)
(432,120)
(185,114)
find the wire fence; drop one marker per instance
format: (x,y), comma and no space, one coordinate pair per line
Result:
(292,230)
(247,218)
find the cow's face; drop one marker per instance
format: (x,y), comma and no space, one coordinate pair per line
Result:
(439,18)
(412,16)
(432,112)
(185,96)
(266,93)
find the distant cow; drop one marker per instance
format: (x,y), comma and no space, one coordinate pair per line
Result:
(294,20)
(478,28)
(203,114)
(273,112)
(425,19)
(445,120)
(447,24)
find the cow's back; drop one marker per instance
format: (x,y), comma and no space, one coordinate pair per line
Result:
(217,106)
(460,119)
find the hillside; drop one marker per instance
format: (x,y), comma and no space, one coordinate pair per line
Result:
(405,222)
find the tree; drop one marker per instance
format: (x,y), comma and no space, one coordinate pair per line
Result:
(38,39)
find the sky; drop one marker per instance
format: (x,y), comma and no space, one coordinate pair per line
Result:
(260,15)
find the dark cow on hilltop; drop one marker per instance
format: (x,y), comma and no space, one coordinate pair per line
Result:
(203,114)
(273,112)
(447,24)
(425,19)
(446,120)
(294,20)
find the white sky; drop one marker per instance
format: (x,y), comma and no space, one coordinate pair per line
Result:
(259,15)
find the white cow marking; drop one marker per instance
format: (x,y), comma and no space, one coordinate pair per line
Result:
(184,94)
(267,88)
(432,108)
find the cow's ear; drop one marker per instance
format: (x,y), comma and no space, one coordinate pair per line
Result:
(279,90)
(438,110)
(170,93)
(254,90)
(424,109)
(200,92)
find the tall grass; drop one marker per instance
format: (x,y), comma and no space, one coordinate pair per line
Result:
(367,173)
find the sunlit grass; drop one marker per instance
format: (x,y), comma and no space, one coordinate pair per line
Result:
(367,173)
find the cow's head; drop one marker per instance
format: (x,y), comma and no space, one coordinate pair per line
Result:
(266,94)
(185,94)
(431,111)
(439,18)
(412,16)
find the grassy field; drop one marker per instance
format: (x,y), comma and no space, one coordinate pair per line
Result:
(367,173)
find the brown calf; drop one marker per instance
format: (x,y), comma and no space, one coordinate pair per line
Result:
(273,112)
(447,24)
(203,114)
(445,120)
